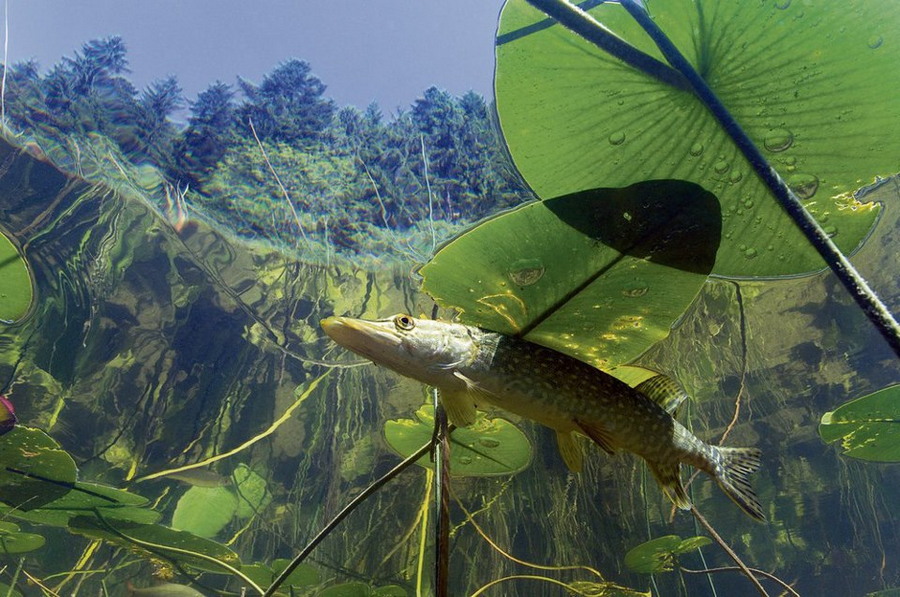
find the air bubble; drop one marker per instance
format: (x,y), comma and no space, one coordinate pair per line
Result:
(803,185)
(617,138)
(750,253)
(526,272)
(735,177)
(875,42)
(778,140)
(830,230)
(488,442)
(721,167)
(465,460)
(636,292)
(696,149)
(782,4)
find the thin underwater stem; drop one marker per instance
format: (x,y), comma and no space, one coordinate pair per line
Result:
(442,495)
(788,588)
(852,280)
(731,554)
(375,486)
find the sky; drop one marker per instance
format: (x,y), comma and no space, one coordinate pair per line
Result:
(387,51)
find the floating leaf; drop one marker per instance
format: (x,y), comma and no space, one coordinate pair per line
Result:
(798,77)
(16,292)
(303,575)
(868,427)
(154,540)
(13,540)
(204,511)
(350,589)
(253,495)
(34,470)
(617,268)
(658,555)
(486,448)
(113,503)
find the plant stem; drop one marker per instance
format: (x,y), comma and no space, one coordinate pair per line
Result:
(731,554)
(580,22)
(442,484)
(855,284)
(788,588)
(375,486)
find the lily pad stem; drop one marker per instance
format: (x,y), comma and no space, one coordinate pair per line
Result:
(375,486)
(855,284)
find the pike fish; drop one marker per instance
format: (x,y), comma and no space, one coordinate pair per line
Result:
(471,366)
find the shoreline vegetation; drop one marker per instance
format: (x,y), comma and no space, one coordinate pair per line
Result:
(276,162)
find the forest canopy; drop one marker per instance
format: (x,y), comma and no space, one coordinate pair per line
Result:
(277,160)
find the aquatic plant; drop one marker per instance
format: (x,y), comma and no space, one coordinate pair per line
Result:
(867,427)
(17,292)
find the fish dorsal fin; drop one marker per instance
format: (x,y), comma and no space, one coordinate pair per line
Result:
(664,391)
(459,406)
(668,476)
(569,450)
(600,436)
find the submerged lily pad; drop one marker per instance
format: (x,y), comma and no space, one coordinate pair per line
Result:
(867,427)
(798,77)
(157,539)
(16,291)
(486,448)
(252,493)
(13,540)
(600,275)
(84,498)
(34,470)
(659,555)
(204,511)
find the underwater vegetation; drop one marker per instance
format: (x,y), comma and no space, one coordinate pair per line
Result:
(181,419)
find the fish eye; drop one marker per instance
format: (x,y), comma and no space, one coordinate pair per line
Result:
(404,322)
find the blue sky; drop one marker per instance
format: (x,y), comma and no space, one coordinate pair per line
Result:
(363,50)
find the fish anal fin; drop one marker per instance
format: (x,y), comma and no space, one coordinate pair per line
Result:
(460,407)
(600,436)
(570,450)
(664,391)
(668,475)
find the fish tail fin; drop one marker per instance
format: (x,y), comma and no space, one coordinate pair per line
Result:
(669,478)
(732,472)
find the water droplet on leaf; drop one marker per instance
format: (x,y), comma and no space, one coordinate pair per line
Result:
(778,140)
(875,42)
(526,272)
(617,138)
(696,149)
(803,185)
(721,167)
(488,442)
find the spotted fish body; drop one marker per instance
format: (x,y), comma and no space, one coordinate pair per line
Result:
(471,366)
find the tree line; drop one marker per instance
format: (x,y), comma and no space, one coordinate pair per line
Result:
(247,150)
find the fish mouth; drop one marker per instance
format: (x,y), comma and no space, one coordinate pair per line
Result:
(366,338)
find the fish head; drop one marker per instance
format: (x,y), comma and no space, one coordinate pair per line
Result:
(424,349)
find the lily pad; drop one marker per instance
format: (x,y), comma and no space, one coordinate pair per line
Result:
(801,78)
(659,555)
(252,493)
(156,540)
(867,427)
(13,540)
(600,275)
(204,511)
(34,470)
(16,289)
(84,498)
(488,447)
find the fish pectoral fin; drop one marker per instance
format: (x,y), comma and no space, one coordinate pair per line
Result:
(668,476)
(664,391)
(460,407)
(600,436)
(570,450)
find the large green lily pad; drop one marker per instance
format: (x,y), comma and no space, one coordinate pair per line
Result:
(16,291)
(34,470)
(159,539)
(811,85)
(488,447)
(659,555)
(600,275)
(251,490)
(204,511)
(82,500)
(867,427)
